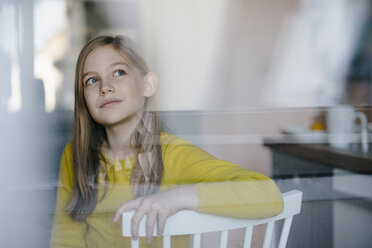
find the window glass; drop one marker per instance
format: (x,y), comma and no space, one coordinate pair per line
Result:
(281,88)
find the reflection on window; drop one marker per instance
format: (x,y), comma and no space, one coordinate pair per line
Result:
(314,52)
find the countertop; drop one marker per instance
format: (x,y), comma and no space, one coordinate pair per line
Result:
(350,159)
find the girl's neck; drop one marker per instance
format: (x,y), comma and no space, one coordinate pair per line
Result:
(118,145)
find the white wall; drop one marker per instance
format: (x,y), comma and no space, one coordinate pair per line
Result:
(211,54)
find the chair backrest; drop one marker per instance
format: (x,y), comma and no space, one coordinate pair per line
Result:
(194,223)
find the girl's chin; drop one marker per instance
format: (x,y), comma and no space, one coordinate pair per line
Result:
(112,122)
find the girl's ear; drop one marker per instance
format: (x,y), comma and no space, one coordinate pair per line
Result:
(151,84)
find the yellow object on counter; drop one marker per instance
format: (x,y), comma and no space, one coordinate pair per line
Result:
(318,126)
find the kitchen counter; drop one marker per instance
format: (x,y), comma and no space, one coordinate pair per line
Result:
(329,198)
(352,159)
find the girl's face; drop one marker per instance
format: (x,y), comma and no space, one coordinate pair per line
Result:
(114,92)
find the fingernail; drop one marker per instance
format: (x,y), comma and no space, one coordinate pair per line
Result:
(115,219)
(134,238)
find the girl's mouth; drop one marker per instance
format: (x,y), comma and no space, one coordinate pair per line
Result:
(110,103)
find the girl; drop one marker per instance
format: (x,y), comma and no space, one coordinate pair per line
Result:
(119,160)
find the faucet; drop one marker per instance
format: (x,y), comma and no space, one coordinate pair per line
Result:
(363,131)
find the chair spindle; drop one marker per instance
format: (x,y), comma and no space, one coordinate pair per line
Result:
(135,243)
(196,240)
(224,238)
(248,237)
(166,241)
(268,234)
(285,232)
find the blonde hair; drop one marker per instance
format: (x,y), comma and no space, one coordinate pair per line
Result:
(89,135)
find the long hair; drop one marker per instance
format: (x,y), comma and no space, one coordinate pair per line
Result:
(88,136)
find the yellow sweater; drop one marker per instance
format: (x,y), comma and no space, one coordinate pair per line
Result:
(223,188)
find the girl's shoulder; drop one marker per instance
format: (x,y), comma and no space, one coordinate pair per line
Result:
(67,151)
(174,145)
(167,139)
(66,162)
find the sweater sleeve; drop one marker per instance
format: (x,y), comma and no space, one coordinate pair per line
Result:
(223,188)
(65,232)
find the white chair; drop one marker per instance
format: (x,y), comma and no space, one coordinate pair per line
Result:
(194,223)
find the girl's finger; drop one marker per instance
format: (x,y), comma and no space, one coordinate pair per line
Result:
(133,204)
(151,218)
(137,217)
(162,217)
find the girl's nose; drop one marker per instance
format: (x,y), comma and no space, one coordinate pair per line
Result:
(106,87)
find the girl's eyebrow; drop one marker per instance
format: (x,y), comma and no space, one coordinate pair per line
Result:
(119,63)
(86,74)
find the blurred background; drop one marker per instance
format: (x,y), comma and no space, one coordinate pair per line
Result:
(238,78)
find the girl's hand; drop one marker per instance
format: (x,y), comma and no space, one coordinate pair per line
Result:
(158,206)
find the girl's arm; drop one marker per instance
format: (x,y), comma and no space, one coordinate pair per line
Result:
(198,181)
(65,232)
(223,188)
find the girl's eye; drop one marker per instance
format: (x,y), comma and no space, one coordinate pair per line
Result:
(91,81)
(119,73)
